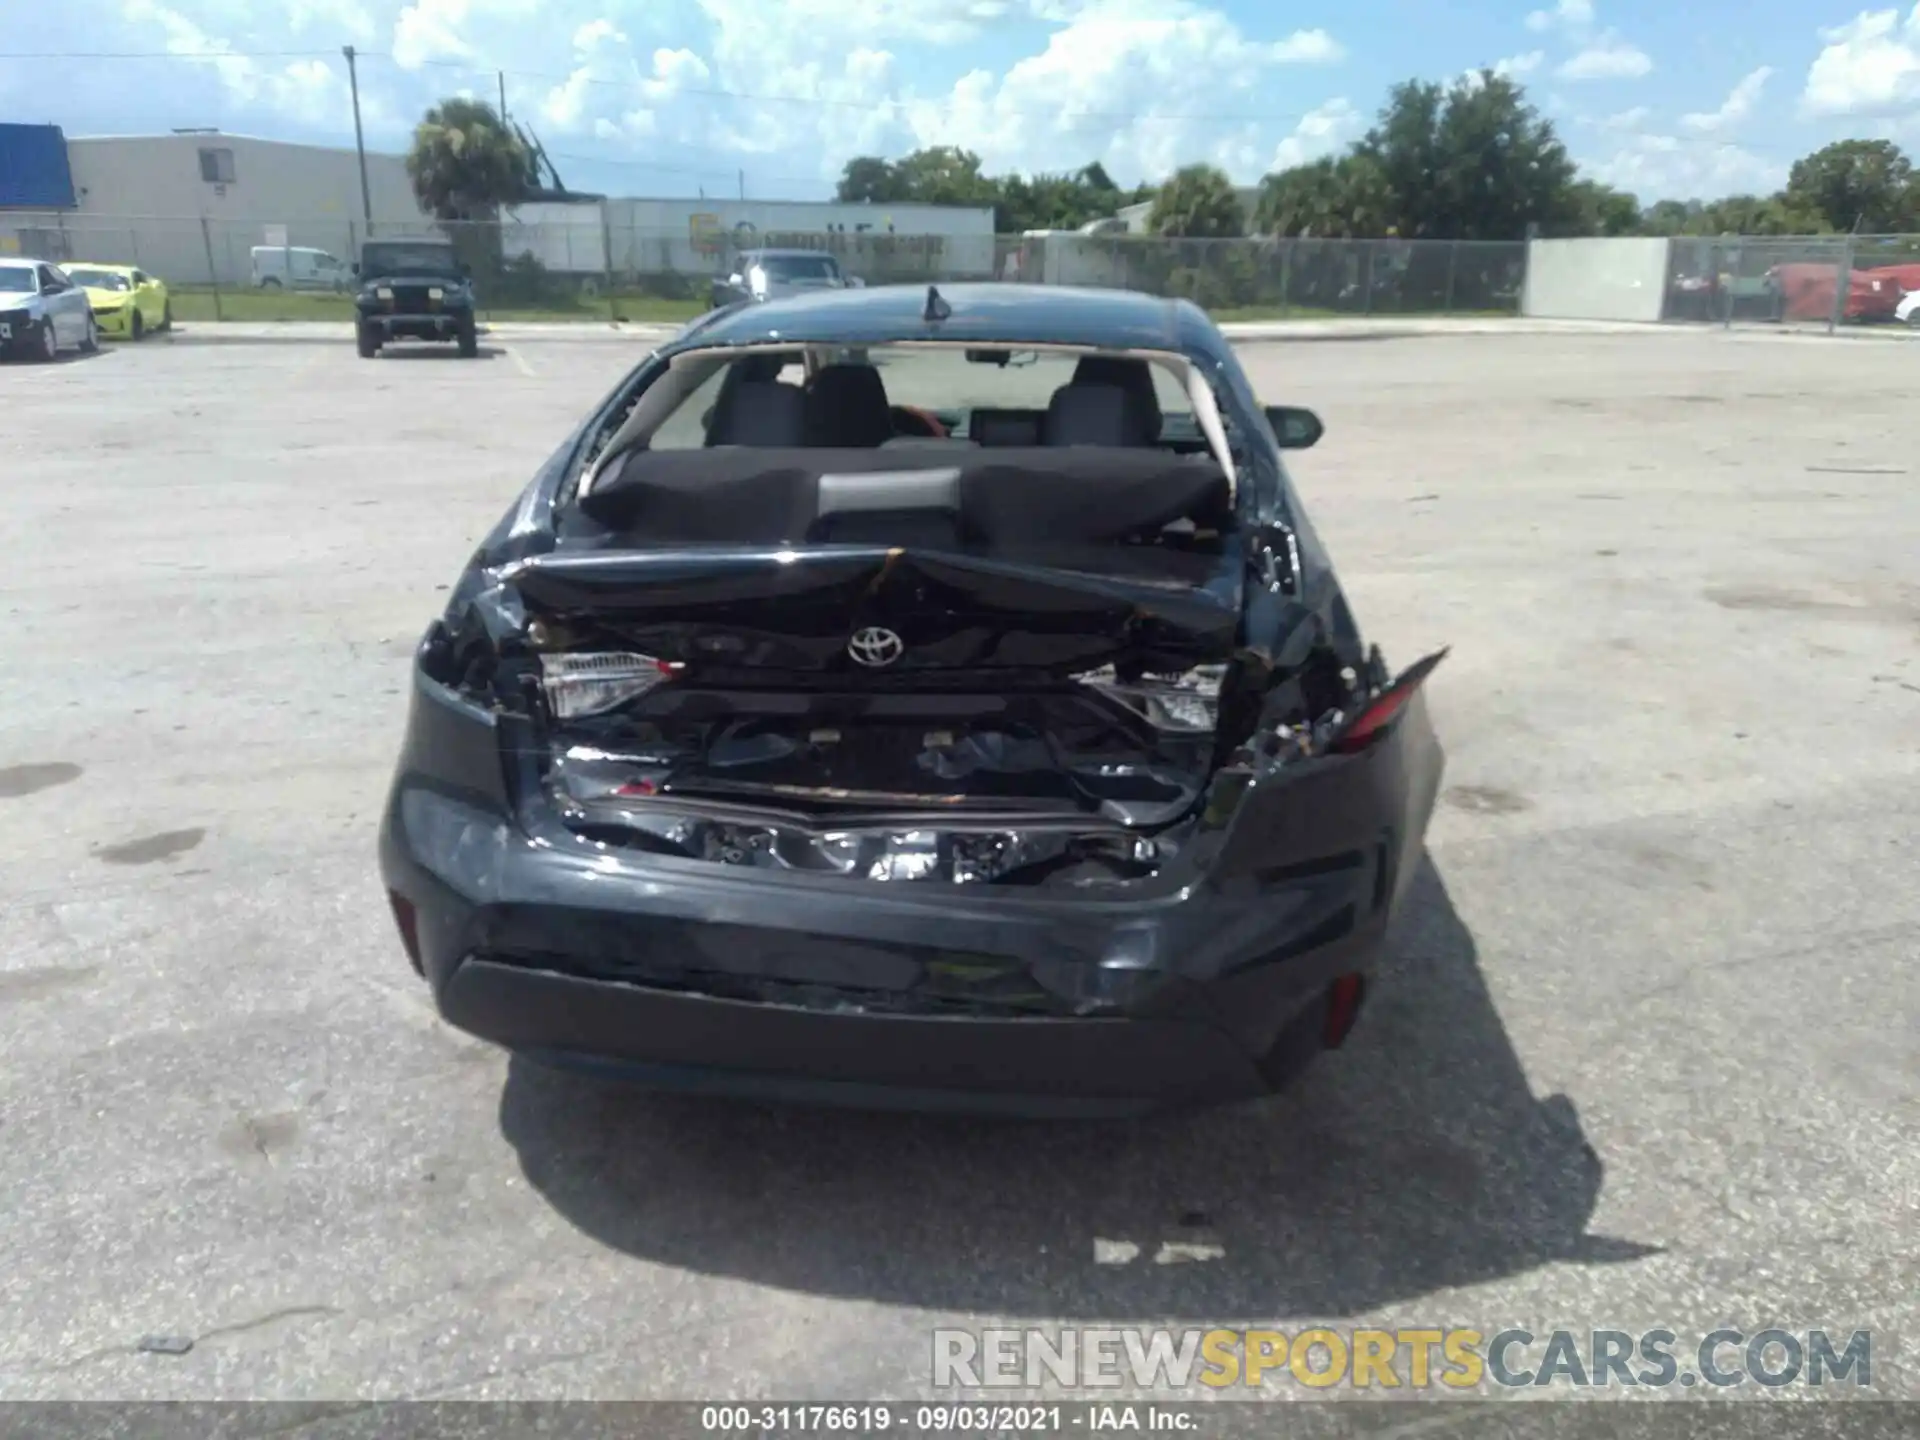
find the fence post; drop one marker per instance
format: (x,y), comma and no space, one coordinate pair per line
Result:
(1453,262)
(1842,285)
(213,276)
(606,260)
(1286,278)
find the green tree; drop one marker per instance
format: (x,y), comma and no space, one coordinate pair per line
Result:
(1470,161)
(1598,209)
(465,163)
(1855,184)
(1197,202)
(868,178)
(1346,198)
(944,175)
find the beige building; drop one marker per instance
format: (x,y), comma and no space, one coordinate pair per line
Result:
(191,206)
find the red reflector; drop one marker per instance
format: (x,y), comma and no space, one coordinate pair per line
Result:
(1372,720)
(408,920)
(1343,1008)
(1389,703)
(637,787)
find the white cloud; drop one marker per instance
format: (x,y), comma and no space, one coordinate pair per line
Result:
(1520,64)
(309,90)
(1321,132)
(1128,83)
(1608,57)
(428,31)
(1870,63)
(1664,167)
(796,87)
(1633,119)
(1572,15)
(1735,108)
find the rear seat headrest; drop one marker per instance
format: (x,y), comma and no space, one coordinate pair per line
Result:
(847,408)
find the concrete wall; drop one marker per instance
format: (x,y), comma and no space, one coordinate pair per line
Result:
(1595,279)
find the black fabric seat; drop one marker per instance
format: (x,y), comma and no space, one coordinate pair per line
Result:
(762,413)
(1133,376)
(1093,415)
(847,408)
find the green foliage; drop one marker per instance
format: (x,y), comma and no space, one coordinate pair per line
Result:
(1470,160)
(464,163)
(1197,202)
(1864,185)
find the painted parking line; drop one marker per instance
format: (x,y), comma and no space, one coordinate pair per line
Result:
(519,361)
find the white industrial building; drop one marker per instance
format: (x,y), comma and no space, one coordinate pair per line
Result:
(191,206)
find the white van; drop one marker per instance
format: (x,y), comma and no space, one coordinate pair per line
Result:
(296,267)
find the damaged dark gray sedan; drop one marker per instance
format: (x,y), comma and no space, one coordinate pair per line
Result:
(909,697)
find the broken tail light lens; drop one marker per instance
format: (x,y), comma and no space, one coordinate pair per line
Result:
(592,684)
(1183,704)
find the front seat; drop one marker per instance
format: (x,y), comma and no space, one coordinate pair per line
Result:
(761,413)
(1133,376)
(847,408)
(1093,415)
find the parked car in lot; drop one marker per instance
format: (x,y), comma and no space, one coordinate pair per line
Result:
(978,725)
(770,274)
(299,267)
(126,301)
(413,290)
(42,311)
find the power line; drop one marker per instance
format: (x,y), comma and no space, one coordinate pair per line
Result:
(166,54)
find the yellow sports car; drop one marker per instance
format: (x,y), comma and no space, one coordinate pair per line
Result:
(125,301)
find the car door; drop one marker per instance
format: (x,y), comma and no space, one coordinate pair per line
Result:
(66,304)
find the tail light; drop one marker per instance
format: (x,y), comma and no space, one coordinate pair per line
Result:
(1343,1008)
(1380,713)
(592,684)
(408,921)
(1184,704)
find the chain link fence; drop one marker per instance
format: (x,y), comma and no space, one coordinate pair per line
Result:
(584,267)
(1806,281)
(587,268)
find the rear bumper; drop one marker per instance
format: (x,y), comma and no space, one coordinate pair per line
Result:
(1036,1067)
(691,975)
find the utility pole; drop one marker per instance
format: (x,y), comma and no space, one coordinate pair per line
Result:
(503,95)
(359,137)
(743,184)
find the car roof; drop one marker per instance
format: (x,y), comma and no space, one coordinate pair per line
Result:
(790,252)
(116,268)
(1011,314)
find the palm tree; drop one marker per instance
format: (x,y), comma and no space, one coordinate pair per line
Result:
(465,162)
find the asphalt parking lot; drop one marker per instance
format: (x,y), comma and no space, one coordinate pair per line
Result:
(1644,1056)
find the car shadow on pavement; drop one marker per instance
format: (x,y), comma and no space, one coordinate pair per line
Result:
(440,352)
(1414,1159)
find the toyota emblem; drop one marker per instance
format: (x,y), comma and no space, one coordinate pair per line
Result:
(875,647)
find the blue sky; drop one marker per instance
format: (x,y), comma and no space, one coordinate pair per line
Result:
(669,97)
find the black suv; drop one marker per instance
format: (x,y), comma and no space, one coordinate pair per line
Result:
(413,290)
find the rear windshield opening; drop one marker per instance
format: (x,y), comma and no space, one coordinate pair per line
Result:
(823,397)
